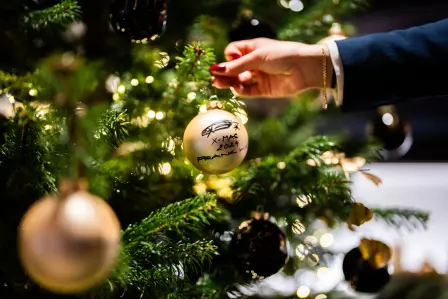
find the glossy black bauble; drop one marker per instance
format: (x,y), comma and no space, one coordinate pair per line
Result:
(392,132)
(139,20)
(392,137)
(249,27)
(258,248)
(361,275)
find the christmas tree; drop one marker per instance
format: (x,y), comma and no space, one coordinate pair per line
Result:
(99,198)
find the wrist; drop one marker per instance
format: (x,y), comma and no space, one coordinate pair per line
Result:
(316,58)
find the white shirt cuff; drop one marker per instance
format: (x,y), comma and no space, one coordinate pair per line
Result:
(338,93)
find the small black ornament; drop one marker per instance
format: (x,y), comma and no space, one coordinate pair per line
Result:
(394,133)
(249,27)
(139,20)
(361,275)
(258,248)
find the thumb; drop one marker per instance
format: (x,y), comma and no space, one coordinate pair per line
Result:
(249,62)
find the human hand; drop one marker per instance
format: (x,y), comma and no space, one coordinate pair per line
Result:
(269,68)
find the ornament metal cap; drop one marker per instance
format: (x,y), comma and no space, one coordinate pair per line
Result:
(215,105)
(336,29)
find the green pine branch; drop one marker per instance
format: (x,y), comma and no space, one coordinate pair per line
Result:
(168,260)
(402,218)
(294,168)
(146,244)
(62,14)
(113,126)
(189,215)
(9,82)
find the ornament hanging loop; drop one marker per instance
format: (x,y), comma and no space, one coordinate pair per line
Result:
(260,213)
(68,187)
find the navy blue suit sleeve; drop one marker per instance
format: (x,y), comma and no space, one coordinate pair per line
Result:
(386,68)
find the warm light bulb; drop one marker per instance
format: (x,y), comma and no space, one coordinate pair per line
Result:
(165,168)
(312,240)
(149,79)
(134,82)
(191,96)
(11,99)
(151,114)
(284,3)
(298,227)
(242,115)
(200,188)
(388,119)
(33,92)
(121,89)
(160,115)
(296,5)
(303,292)
(254,22)
(281,165)
(303,200)
(326,240)
(322,273)
(203,109)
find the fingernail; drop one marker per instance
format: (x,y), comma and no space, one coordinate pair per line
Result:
(235,55)
(219,68)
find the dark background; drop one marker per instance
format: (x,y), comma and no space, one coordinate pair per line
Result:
(428,118)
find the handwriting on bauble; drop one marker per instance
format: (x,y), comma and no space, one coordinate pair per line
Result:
(225,145)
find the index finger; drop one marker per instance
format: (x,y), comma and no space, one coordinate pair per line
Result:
(238,49)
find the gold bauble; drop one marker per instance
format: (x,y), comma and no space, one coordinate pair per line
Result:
(335,33)
(216,141)
(69,244)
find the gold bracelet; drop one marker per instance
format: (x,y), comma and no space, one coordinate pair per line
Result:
(324,79)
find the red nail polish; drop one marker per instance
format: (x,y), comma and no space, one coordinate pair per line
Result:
(218,68)
(235,55)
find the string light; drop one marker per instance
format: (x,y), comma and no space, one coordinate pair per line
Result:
(326,240)
(116,97)
(149,79)
(160,115)
(151,114)
(284,3)
(170,145)
(199,177)
(303,292)
(313,260)
(303,200)
(200,188)
(11,99)
(281,165)
(134,82)
(322,273)
(33,92)
(301,252)
(387,119)
(121,89)
(298,227)
(242,115)
(112,83)
(191,96)
(165,168)
(203,109)
(312,240)
(296,5)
